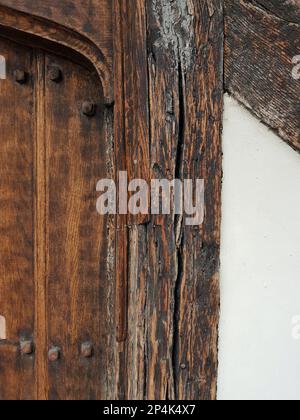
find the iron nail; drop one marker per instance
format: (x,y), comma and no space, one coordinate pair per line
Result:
(27,347)
(54,354)
(55,74)
(20,76)
(88,108)
(87,350)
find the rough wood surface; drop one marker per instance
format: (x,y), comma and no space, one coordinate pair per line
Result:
(259,50)
(288,10)
(131,123)
(173,269)
(16,224)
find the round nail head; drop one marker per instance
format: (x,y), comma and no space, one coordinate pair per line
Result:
(55,74)
(20,76)
(86,350)
(27,347)
(88,108)
(54,354)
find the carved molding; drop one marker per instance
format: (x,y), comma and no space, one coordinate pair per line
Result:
(54,32)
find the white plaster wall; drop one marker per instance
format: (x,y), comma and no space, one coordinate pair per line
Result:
(260,263)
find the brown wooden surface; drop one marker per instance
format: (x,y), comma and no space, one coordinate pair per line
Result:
(144,290)
(132,151)
(16,223)
(92,19)
(54,245)
(287,10)
(259,50)
(132,121)
(76,234)
(159,303)
(173,270)
(58,36)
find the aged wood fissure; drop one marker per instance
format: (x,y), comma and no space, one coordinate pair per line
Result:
(173,280)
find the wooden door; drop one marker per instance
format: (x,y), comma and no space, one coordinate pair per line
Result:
(53,243)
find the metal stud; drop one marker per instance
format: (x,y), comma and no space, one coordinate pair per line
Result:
(54,354)
(87,350)
(20,76)
(27,347)
(88,108)
(55,74)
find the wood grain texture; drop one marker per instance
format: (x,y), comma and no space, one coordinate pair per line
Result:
(76,239)
(93,19)
(57,261)
(173,269)
(288,10)
(132,150)
(86,252)
(259,49)
(135,79)
(40,228)
(21,25)
(17,223)
(145,290)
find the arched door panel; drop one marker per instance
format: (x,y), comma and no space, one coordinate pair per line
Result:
(53,242)
(17,289)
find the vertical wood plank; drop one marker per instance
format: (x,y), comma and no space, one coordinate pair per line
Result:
(174,269)
(195,354)
(77,248)
(121,232)
(16,223)
(136,93)
(168,89)
(131,144)
(41,229)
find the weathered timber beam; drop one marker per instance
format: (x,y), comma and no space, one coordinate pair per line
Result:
(259,52)
(288,10)
(174,268)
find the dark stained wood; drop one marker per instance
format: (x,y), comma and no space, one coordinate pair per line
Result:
(259,50)
(195,355)
(288,10)
(121,232)
(16,223)
(173,269)
(135,79)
